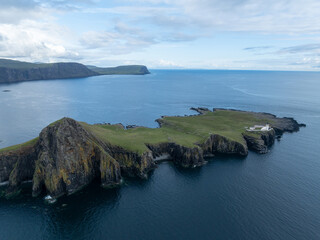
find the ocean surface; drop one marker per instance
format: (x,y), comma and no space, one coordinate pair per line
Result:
(270,196)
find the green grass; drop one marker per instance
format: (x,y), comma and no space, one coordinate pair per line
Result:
(18,146)
(7,63)
(186,131)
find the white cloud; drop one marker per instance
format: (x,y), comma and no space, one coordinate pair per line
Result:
(123,39)
(168,64)
(31,30)
(272,16)
(35,41)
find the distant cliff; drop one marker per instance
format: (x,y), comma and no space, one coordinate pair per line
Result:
(121,70)
(16,71)
(68,154)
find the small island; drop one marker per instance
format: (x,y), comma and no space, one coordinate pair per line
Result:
(69,154)
(16,71)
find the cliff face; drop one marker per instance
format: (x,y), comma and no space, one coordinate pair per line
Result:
(220,144)
(17,166)
(192,157)
(131,163)
(186,157)
(51,71)
(260,142)
(64,159)
(69,158)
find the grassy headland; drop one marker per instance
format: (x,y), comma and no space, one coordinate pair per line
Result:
(186,131)
(69,154)
(121,70)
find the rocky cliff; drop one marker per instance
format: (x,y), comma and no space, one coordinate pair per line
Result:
(260,142)
(63,160)
(68,155)
(181,155)
(69,158)
(50,71)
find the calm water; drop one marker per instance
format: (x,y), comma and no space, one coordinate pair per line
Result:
(271,196)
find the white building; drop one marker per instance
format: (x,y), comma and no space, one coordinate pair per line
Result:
(258,128)
(266,128)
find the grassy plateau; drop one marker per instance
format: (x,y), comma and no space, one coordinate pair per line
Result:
(187,131)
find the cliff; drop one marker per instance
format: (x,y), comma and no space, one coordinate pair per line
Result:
(121,70)
(68,154)
(26,72)
(16,71)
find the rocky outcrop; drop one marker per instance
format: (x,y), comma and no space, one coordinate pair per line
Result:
(282,125)
(183,156)
(219,144)
(69,158)
(131,163)
(64,159)
(260,142)
(17,166)
(192,157)
(200,110)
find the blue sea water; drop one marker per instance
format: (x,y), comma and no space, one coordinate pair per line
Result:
(270,196)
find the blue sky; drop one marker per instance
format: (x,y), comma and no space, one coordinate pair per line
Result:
(209,34)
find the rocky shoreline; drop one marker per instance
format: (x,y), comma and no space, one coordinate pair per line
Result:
(67,155)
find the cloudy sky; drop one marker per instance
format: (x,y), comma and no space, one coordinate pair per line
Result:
(210,34)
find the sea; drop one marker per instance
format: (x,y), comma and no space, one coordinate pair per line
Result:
(271,196)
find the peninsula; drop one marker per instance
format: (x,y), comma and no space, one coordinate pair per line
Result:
(69,154)
(16,71)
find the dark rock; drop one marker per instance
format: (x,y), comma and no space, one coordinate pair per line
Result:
(183,156)
(132,164)
(219,144)
(131,126)
(259,142)
(200,110)
(17,166)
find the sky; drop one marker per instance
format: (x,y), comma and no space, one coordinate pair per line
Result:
(164,34)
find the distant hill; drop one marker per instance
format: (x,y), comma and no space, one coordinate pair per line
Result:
(17,71)
(128,69)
